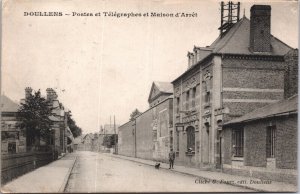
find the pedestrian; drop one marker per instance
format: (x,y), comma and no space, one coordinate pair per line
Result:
(171,158)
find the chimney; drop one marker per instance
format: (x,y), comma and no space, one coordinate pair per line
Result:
(49,94)
(291,73)
(190,59)
(196,51)
(260,28)
(28,91)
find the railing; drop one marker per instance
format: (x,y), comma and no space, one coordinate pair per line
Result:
(14,165)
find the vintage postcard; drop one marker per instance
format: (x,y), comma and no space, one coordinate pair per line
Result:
(149,96)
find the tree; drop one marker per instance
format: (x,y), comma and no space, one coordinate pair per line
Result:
(35,118)
(76,131)
(110,140)
(134,114)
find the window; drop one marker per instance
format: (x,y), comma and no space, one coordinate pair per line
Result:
(238,142)
(207,98)
(177,104)
(271,140)
(194,96)
(187,99)
(190,131)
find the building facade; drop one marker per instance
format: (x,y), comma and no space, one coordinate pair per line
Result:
(150,135)
(239,72)
(13,139)
(263,143)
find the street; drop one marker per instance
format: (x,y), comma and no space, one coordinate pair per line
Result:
(96,172)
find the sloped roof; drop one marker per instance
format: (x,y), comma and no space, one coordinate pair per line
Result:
(237,40)
(78,140)
(7,105)
(289,105)
(165,87)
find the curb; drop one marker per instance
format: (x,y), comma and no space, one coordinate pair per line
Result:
(185,173)
(64,184)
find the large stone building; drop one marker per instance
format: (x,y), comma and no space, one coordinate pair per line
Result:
(149,135)
(242,70)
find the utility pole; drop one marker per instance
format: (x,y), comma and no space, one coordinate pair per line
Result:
(115,140)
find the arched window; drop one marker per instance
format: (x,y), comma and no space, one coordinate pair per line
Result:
(190,132)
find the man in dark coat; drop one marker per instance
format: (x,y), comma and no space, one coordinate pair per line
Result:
(171,158)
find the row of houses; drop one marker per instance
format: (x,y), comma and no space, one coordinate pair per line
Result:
(234,108)
(102,141)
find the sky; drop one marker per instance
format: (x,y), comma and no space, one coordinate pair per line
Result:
(104,66)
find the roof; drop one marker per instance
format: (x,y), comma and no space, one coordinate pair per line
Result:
(78,140)
(7,105)
(275,109)
(165,87)
(236,41)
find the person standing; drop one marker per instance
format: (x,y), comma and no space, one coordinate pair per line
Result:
(171,158)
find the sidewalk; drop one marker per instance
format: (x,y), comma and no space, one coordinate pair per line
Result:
(217,177)
(50,178)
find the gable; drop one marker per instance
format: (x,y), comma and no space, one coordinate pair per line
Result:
(154,92)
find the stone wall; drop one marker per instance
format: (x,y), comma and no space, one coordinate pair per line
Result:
(126,139)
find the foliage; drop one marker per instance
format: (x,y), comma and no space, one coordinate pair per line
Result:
(110,140)
(134,114)
(35,118)
(76,131)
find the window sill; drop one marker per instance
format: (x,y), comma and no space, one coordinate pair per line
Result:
(190,153)
(236,158)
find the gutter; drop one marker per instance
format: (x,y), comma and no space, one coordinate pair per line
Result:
(259,118)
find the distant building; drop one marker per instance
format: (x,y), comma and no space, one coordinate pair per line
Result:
(87,142)
(149,135)
(109,129)
(78,145)
(13,139)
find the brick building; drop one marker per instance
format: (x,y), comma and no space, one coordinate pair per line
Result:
(263,143)
(242,70)
(149,135)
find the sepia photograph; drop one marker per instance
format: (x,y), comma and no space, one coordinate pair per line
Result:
(101,96)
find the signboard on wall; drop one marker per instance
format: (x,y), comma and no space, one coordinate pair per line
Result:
(9,135)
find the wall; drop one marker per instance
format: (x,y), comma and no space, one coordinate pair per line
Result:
(250,84)
(14,165)
(287,134)
(162,126)
(144,135)
(254,163)
(126,139)
(148,136)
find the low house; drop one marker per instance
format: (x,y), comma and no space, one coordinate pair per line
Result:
(263,143)
(13,139)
